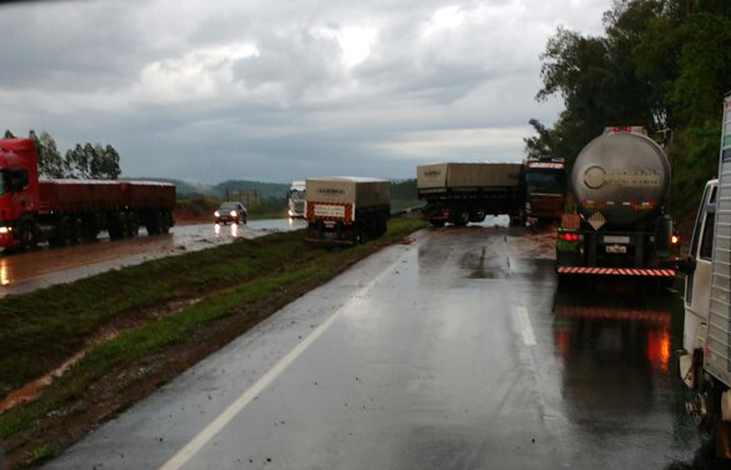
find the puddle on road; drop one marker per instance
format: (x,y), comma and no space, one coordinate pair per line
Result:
(615,342)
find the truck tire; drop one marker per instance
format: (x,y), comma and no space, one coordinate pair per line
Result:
(28,238)
(165,224)
(478,216)
(462,217)
(77,230)
(152,224)
(133,225)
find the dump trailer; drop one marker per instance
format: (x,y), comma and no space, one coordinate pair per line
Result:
(620,227)
(63,212)
(545,181)
(343,210)
(705,360)
(460,193)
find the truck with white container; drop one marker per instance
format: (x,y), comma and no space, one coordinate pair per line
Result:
(460,193)
(343,210)
(705,360)
(296,200)
(620,226)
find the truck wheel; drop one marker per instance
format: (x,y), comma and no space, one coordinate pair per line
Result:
(133,225)
(28,237)
(77,229)
(478,216)
(162,223)
(463,218)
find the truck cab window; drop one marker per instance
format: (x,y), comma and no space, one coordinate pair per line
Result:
(697,231)
(13,180)
(707,244)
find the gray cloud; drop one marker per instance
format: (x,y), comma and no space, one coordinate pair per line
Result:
(279,90)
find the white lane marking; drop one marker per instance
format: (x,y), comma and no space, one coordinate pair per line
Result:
(526,330)
(210,431)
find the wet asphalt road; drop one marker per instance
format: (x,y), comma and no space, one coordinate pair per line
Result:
(25,272)
(452,352)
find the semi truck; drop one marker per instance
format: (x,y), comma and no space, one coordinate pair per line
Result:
(705,360)
(344,210)
(545,181)
(64,212)
(296,200)
(460,193)
(620,227)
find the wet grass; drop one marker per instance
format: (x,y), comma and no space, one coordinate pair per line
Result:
(38,331)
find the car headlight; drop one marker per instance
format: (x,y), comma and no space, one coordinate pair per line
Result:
(233,213)
(217,214)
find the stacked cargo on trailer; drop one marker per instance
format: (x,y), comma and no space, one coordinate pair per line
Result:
(346,210)
(705,361)
(620,181)
(460,193)
(68,211)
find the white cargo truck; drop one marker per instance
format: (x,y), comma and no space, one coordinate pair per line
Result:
(705,362)
(460,193)
(346,210)
(296,200)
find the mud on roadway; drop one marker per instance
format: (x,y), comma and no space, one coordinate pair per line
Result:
(25,272)
(454,351)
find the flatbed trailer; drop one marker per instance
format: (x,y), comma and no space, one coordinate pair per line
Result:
(67,211)
(460,193)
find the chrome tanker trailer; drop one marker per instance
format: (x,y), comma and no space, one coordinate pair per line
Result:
(620,227)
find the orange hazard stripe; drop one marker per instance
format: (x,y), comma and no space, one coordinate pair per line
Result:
(616,271)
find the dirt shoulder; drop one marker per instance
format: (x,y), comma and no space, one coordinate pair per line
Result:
(130,331)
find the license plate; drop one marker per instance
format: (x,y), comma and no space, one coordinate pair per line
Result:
(616,249)
(622,239)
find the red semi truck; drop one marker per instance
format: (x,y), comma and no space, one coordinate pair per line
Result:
(64,212)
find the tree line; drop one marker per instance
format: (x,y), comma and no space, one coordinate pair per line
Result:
(87,161)
(661,64)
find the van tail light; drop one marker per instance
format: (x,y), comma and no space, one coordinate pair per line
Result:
(568,237)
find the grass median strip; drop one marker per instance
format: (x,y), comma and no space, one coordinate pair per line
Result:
(254,279)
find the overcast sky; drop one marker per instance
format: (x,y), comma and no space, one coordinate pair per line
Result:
(283,89)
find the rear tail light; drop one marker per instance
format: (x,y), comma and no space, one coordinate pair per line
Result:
(675,239)
(568,237)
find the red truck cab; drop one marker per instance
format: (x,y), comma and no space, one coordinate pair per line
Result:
(19,190)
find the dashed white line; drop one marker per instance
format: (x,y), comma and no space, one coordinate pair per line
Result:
(526,330)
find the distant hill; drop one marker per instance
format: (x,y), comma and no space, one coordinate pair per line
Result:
(266,190)
(400,189)
(183,187)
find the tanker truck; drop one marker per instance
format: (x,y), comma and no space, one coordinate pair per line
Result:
(620,181)
(460,193)
(344,210)
(64,212)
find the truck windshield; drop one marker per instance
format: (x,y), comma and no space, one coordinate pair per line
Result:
(296,195)
(546,181)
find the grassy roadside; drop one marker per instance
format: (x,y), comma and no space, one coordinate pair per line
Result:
(38,331)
